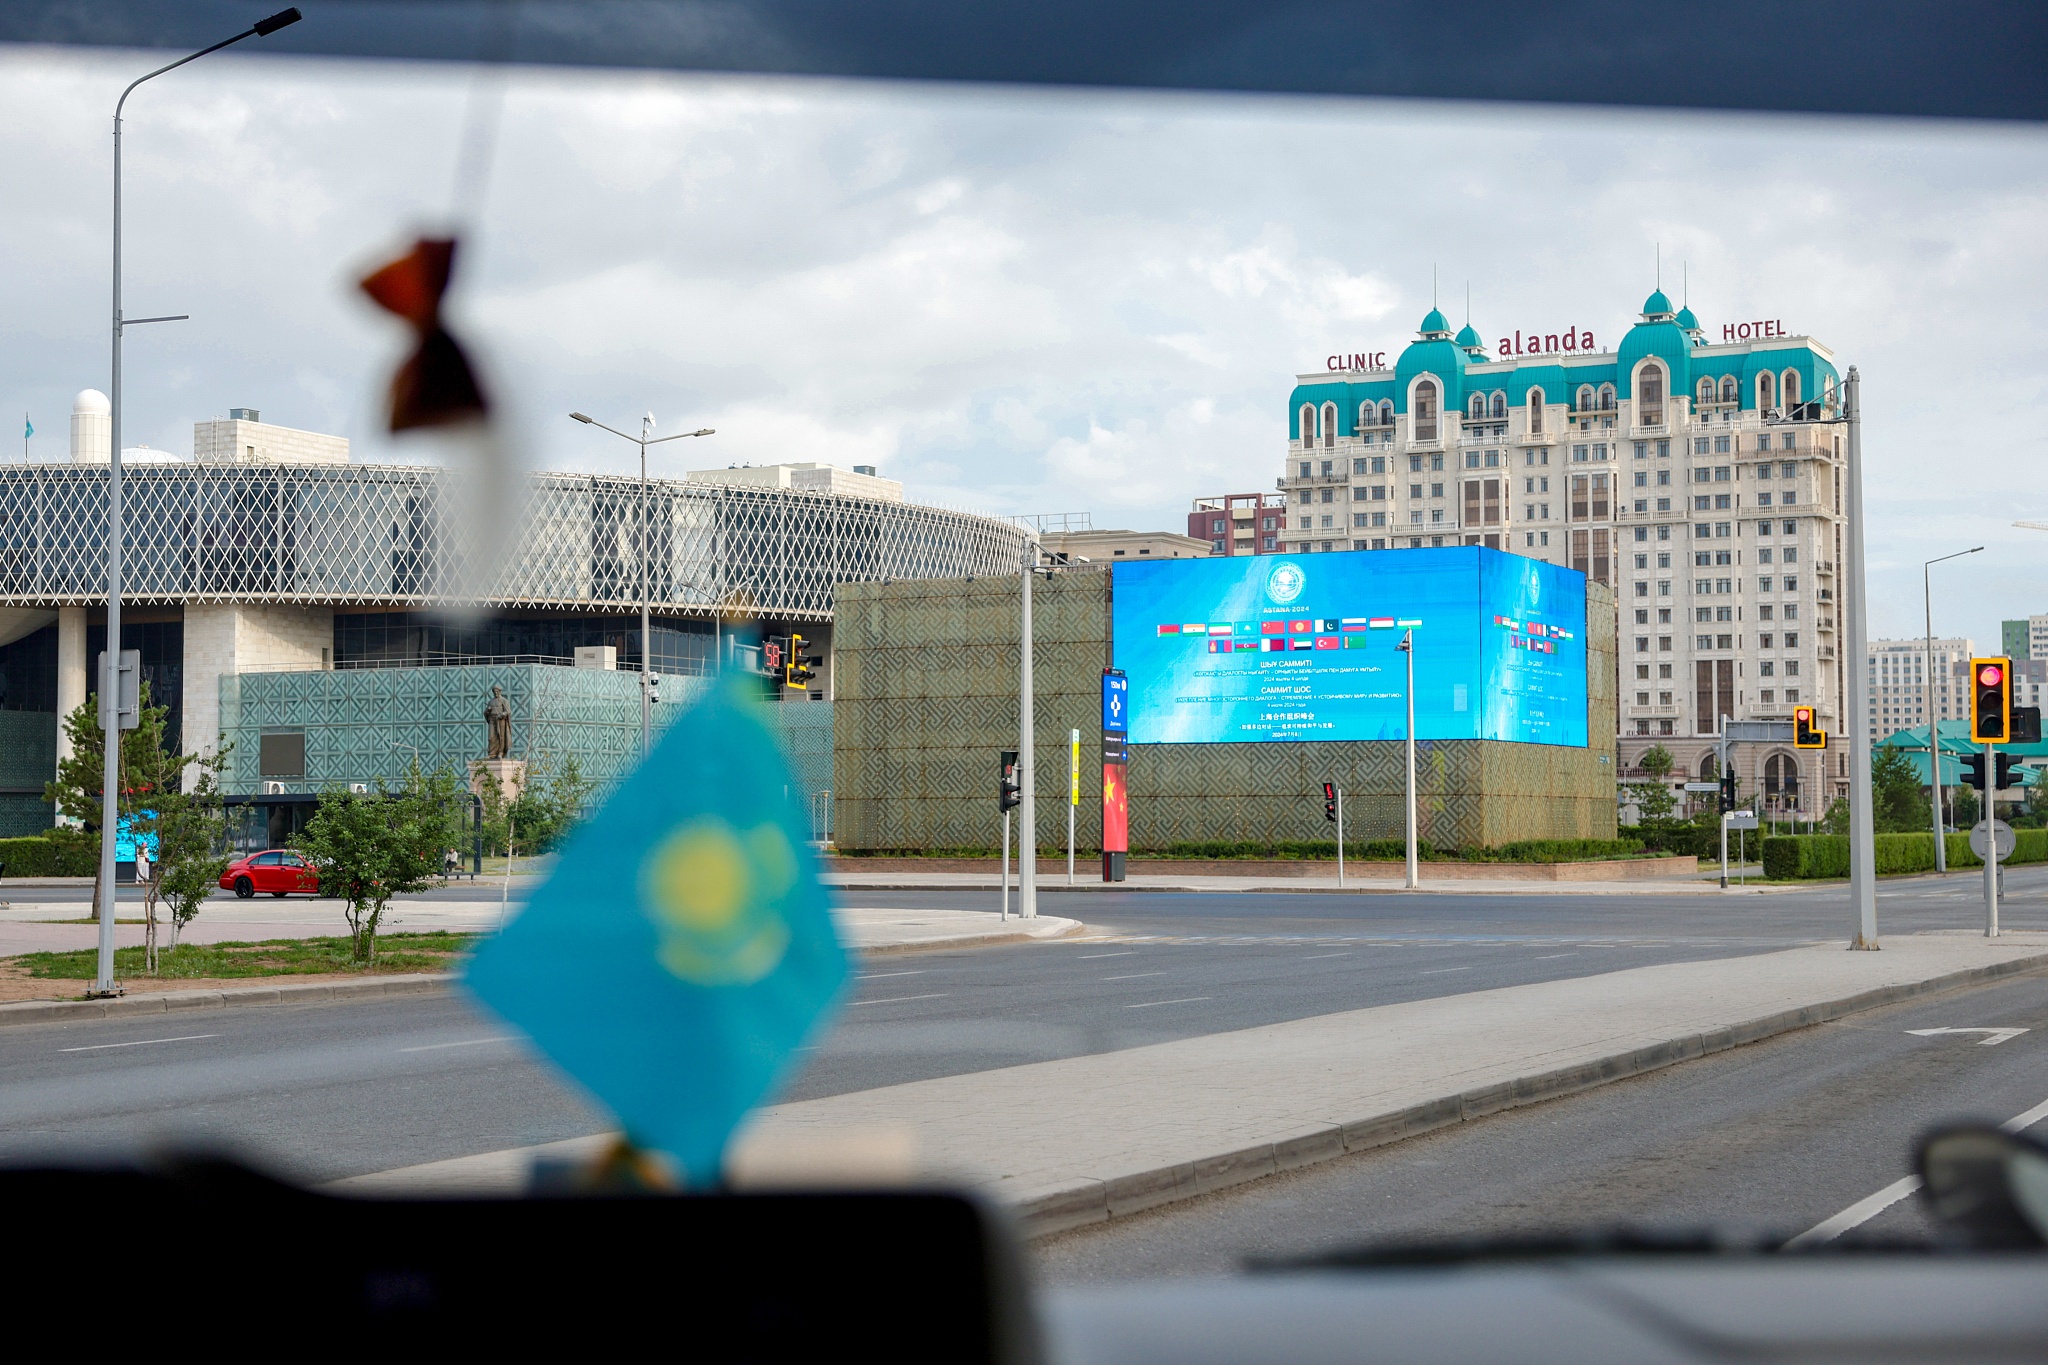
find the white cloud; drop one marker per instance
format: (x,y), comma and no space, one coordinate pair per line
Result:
(1022,302)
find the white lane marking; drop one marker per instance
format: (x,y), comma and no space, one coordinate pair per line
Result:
(1090,957)
(142,1042)
(1863,1210)
(1552,957)
(1314,956)
(875,976)
(466,1042)
(1998,1035)
(1133,976)
(899,999)
(1439,971)
(1184,1000)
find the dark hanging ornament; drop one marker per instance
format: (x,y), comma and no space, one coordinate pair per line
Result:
(435,386)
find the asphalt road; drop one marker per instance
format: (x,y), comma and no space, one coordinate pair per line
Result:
(1767,1139)
(326,1091)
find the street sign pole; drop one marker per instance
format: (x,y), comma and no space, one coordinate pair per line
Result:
(1027,795)
(1006,866)
(1073,795)
(1991,842)
(1407,647)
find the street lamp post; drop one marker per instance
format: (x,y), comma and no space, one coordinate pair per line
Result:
(110,714)
(1027,794)
(1862,824)
(1933,722)
(1407,647)
(645,439)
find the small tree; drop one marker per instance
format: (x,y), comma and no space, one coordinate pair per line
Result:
(551,803)
(1897,803)
(368,849)
(81,776)
(1964,808)
(1654,798)
(191,854)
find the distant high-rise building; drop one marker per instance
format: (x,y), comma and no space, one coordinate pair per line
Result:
(2026,639)
(1898,683)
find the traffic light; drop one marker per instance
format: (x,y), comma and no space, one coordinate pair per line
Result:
(1973,771)
(801,670)
(1805,733)
(1727,792)
(1330,802)
(2026,725)
(2006,764)
(1990,700)
(1010,794)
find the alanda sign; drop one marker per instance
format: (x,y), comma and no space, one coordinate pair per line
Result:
(1545,343)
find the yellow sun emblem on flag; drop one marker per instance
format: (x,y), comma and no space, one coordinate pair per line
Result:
(714,892)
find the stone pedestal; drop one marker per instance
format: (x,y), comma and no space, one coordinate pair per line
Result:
(508,775)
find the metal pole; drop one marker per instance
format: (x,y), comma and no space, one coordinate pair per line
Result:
(1933,725)
(1862,836)
(1340,835)
(1407,647)
(110,709)
(1990,839)
(646,632)
(1027,801)
(1721,776)
(1006,866)
(1073,795)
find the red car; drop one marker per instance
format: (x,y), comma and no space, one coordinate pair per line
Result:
(278,871)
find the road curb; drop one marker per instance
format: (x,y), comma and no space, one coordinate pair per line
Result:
(170,1002)
(1065,928)
(1084,1202)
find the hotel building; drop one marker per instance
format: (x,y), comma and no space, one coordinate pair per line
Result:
(1701,479)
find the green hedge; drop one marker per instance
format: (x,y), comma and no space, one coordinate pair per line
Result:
(38,857)
(1827,855)
(1702,841)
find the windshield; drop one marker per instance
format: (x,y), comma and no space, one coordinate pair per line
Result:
(1437,530)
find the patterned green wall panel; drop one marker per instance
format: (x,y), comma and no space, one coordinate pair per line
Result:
(28,749)
(927,694)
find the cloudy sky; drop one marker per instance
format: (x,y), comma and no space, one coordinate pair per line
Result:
(1013,302)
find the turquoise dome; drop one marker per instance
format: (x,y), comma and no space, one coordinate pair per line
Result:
(1469,338)
(1434,321)
(1656,305)
(1687,321)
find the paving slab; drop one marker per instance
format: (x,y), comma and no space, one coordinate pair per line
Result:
(1084,1139)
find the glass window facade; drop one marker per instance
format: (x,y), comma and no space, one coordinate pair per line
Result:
(414,638)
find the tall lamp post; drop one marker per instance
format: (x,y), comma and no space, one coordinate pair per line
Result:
(110,711)
(645,439)
(1856,642)
(1933,721)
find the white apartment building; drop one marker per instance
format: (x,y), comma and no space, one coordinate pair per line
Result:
(1898,683)
(2026,638)
(1701,480)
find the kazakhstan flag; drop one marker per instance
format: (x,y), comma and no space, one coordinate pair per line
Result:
(684,946)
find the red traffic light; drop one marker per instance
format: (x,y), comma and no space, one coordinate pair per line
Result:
(1990,675)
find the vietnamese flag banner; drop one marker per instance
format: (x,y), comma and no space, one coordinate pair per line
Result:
(1116,812)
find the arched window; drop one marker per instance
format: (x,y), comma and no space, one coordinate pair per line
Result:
(1650,395)
(1386,412)
(1766,391)
(1329,424)
(1827,390)
(1706,390)
(1536,411)
(1607,398)
(1790,391)
(1499,406)
(1366,413)
(1308,426)
(1781,776)
(1585,399)
(1477,407)
(1710,768)
(1423,409)
(1729,389)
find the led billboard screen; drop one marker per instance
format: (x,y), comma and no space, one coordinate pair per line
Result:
(1293,647)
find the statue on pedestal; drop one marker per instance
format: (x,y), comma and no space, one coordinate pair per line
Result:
(498,725)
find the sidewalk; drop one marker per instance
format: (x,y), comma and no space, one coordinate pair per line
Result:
(1085,1139)
(866,930)
(1325,882)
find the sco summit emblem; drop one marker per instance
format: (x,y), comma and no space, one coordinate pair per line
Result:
(1285,583)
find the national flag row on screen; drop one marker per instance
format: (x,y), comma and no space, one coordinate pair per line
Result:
(1265,630)
(1535,628)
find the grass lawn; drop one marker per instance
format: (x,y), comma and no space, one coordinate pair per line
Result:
(428,952)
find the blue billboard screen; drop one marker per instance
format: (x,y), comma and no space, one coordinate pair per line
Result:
(1294,647)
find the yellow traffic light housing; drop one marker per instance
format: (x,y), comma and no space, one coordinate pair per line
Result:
(1805,734)
(1990,700)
